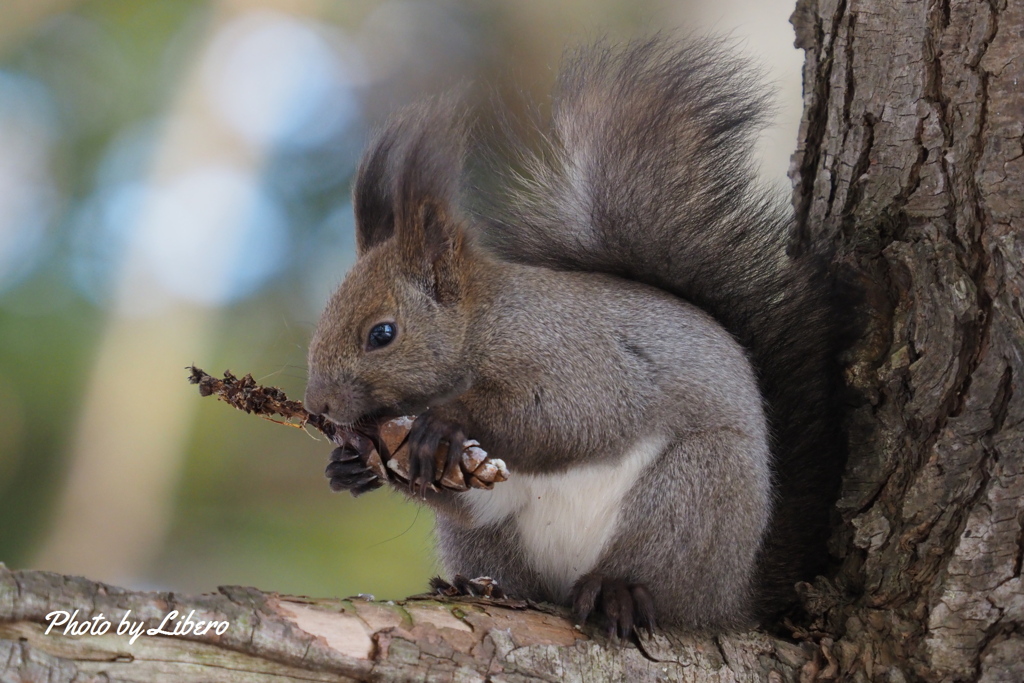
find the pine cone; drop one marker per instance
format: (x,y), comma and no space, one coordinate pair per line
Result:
(389,459)
(476,469)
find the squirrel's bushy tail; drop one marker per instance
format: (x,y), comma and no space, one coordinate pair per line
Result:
(646,173)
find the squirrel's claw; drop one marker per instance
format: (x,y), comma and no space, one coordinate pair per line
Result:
(425,438)
(621,608)
(643,603)
(483,586)
(347,472)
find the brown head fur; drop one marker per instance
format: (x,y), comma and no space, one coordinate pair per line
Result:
(413,270)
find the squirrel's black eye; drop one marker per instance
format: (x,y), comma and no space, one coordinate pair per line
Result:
(382,334)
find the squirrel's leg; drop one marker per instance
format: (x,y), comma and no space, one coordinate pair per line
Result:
(493,551)
(687,541)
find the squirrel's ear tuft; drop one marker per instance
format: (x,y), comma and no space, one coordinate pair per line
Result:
(429,224)
(409,181)
(373,194)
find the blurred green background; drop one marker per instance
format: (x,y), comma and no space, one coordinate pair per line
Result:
(174,189)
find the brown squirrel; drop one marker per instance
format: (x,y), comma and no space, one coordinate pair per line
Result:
(630,335)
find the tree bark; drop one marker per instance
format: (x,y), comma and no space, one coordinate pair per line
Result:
(279,638)
(911,162)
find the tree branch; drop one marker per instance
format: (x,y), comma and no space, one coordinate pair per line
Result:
(272,637)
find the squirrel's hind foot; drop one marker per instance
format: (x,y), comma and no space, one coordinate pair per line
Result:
(483,586)
(618,607)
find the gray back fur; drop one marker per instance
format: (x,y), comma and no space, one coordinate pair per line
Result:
(646,174)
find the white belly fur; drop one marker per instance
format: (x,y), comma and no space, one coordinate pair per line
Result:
(565,520)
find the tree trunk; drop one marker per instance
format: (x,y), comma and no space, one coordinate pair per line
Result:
(911,163)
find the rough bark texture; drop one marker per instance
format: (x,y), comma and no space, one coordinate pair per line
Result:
(911,161)
(280,638)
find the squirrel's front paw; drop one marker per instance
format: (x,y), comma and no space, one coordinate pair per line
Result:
(426,463)
(347,469)
(619,607)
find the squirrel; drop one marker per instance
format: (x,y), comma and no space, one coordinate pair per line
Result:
(635,333)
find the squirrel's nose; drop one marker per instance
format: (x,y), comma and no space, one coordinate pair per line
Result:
(320,397)
(338,399)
